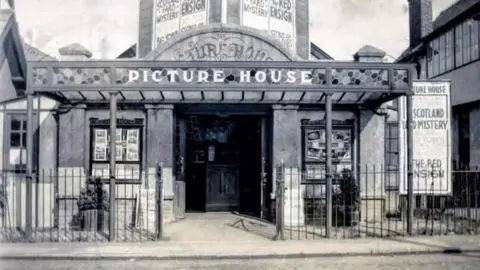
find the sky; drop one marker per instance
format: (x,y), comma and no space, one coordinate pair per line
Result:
(109,27)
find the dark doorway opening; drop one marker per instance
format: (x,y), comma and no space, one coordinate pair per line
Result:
(223,163)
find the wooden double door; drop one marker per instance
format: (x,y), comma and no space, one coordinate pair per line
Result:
(223,184)
(222,187)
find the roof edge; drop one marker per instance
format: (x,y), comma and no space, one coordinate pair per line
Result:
(315,49)
(452,21)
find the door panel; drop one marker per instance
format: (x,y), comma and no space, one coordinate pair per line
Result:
(222,188)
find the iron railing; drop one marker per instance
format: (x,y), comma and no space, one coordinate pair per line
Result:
(368,203)
(70,206)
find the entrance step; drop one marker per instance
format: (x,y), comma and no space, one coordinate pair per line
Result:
(210,227)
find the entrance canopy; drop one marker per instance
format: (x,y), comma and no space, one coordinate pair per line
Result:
(220,81)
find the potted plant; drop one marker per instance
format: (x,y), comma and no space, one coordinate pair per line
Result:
(93,205)
(347,203)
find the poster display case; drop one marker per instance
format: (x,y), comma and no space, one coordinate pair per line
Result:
(314,149)
(128,147)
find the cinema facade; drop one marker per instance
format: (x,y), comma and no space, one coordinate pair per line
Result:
(217,108)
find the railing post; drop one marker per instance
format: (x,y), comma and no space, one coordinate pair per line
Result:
(113,143)
(159,200)
(29,176)
(262,188)
(280,202)
(328,163)
(410,164)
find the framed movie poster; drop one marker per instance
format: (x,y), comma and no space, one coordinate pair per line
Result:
(119,135)
(132,154)
(100,145)
(132,136)
(316,150)
(315,145)
(341,145)
(101,136)
(119,153)
(132,145)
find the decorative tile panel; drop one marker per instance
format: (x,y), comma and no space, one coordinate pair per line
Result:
(76,76)
(400,77)
(226,76)
(360,77)
(39,76)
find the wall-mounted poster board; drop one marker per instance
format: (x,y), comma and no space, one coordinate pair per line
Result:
(432,156)
(314,149)
(276,17)
(128,145)
(171,17)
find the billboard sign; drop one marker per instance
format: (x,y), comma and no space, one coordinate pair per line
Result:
(431,124)
(276,17)
(172,17)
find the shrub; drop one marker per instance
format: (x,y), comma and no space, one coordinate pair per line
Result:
(347,202)
(93,197)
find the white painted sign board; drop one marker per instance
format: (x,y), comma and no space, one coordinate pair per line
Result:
(146,209)
(275,17)
(172,17)
(432,147)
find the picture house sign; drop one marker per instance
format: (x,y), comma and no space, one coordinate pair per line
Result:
(221,48)
(214,76)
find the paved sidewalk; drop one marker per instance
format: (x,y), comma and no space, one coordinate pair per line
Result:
(165,250)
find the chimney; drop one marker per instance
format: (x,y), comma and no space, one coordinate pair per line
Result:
(420,20)
(74,52)
(369,53)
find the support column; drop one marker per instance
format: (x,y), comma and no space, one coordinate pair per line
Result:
(160,150)
(29,178)
(72,144)
(113,142)
(371,157)
(409,165)
(287,149)
(286,135)
(328,165)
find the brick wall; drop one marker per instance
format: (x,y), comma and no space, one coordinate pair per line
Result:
(420,20)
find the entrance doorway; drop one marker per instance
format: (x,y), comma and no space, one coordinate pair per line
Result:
(222,163)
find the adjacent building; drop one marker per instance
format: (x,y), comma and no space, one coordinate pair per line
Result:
(447,48)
